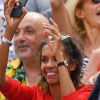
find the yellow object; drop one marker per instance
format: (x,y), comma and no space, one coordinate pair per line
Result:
(14,70)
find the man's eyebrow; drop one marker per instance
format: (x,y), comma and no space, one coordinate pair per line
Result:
(28,27)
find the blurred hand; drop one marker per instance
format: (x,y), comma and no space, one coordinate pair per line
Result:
(12,23)
(56,3)
(54,45)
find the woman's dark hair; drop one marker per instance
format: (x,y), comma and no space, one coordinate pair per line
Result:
(74,51)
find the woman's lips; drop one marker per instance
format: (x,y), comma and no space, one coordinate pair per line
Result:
(51,74)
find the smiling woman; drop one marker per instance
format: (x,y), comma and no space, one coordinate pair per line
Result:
(52,67)
(87,20)
(72,55)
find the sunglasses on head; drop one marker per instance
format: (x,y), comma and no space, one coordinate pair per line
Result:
(96,1)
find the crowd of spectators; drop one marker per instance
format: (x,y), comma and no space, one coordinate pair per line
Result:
(54,46)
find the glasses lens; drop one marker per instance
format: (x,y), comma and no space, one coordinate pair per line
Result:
(96,1)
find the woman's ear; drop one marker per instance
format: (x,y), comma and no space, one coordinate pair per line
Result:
(72,66)
(79,13)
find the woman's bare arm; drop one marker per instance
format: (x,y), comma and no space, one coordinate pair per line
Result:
(66,83)
(12,24)
(61,17)
(92,67)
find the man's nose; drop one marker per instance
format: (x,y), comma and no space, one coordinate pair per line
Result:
(21,36)
(21,33)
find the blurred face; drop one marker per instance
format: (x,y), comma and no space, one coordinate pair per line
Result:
(27,38)
(49,66)
(90,13)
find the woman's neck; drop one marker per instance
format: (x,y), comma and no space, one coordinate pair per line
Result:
(92,41)
(93,35)
(55,92)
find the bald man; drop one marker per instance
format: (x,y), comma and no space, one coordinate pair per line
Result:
(26,41)
(27,38)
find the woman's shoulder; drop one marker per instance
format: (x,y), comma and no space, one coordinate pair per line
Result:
(80,94)
(85,88)
(84,92)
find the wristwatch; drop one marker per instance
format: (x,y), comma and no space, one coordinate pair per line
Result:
(63,63)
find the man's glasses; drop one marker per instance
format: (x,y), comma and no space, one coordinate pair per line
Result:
(96,1)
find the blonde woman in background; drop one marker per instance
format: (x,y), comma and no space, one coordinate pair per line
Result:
(81,17)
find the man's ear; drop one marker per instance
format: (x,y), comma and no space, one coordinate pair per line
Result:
(72,66)
(79,13)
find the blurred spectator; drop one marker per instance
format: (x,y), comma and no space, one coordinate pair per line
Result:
(1,1)
(2,20)
(12,54)
(40,6)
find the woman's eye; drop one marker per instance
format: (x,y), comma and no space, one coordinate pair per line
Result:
(44,60)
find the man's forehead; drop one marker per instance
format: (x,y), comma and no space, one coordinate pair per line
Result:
(28,19)
(26,23)
(33,20)
(30,23)
(35,17)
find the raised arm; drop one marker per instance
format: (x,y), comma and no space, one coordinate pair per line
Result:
(66,83)
(61,17)
(92,67)
(12,24)
(68,90)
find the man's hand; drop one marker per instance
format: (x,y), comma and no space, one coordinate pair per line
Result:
(12,23)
